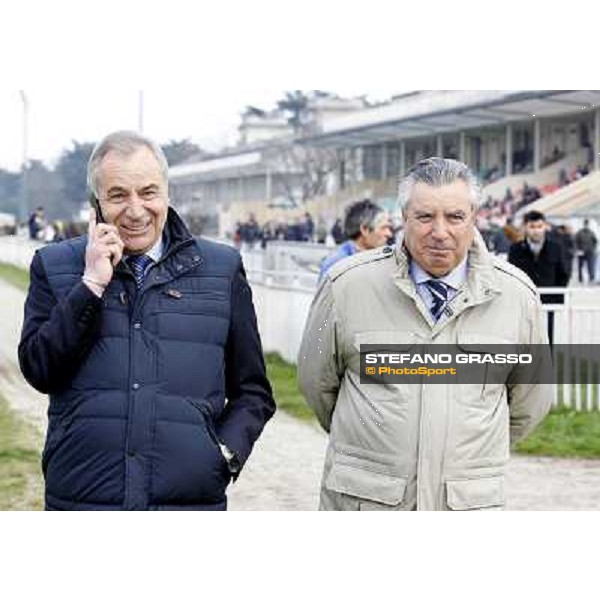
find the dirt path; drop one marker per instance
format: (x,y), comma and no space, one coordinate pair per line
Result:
(22,398)
(284,471)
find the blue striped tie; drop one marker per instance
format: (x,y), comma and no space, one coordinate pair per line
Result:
(439,293)
(138,265)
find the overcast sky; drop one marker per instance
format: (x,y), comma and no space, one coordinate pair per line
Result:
(77,71)
(209,118)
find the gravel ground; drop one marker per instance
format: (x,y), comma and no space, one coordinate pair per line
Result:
(284,470)
(284,473)
(23,398)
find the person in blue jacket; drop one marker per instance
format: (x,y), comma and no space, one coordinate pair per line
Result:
(145,339)
(366,226)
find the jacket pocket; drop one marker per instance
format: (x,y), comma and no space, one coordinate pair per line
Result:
(475,494)
(207,415)
(188,466)
(366,481)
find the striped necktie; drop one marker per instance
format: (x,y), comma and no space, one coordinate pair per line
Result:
(439,293)
(138,265)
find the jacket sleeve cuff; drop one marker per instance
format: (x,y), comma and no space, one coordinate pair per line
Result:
(84,304)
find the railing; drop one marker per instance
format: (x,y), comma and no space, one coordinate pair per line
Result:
(17,251)
(576,322)
(282,301)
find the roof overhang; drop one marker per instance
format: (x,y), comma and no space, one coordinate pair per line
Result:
(396,122)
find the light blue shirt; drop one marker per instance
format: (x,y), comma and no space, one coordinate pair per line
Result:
(344,250)
(453,281)
(156,252)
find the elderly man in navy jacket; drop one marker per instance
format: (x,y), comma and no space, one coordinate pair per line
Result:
(145,338)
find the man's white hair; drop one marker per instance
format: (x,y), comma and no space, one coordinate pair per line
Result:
(436,172)
(124,143)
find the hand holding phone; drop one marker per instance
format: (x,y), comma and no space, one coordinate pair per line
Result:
(103,252)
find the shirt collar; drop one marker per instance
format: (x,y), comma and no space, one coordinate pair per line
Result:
(536,247)
(454,279)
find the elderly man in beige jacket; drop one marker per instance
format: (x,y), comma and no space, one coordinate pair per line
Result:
(421,446)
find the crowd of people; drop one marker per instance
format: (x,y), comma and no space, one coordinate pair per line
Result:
(300,229)
(366,225)
(567,177)
(499,210)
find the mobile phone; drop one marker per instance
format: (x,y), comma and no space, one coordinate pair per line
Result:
(96,206)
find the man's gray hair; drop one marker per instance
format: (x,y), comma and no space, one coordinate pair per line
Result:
(124,143)
(436,172)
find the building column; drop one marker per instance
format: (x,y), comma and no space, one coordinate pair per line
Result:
(461,146)
(597,139)
(440,146)
(268,184)
(536,145)
(358,155)
(341,157)
(508,166)
(384,161)
(402,165)
(241,188)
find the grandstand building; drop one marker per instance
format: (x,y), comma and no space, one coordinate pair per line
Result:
(508,137)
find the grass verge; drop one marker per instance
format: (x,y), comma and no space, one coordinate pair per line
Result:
(20,471)
(282,376)
(565,433)
(15,276)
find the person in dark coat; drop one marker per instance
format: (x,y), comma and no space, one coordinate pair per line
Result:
(146,340)
(337,232)
(36,223)
(309,227)
(586,242)
(542,259)
(563,236)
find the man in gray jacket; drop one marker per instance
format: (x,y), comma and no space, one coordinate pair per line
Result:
(421,446)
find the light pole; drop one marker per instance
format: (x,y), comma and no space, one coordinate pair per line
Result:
(24,165)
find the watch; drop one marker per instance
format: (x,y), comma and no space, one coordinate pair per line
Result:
(232,460)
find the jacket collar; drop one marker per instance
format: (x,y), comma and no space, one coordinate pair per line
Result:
(482,282)
(176,236)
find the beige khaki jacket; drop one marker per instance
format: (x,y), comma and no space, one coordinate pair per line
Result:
(417,446)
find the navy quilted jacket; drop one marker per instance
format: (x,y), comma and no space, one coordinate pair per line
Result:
(143,385)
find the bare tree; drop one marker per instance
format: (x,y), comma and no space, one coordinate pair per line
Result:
(305,170)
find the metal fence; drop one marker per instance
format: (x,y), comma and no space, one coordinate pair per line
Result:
(576,321)
(17,251)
